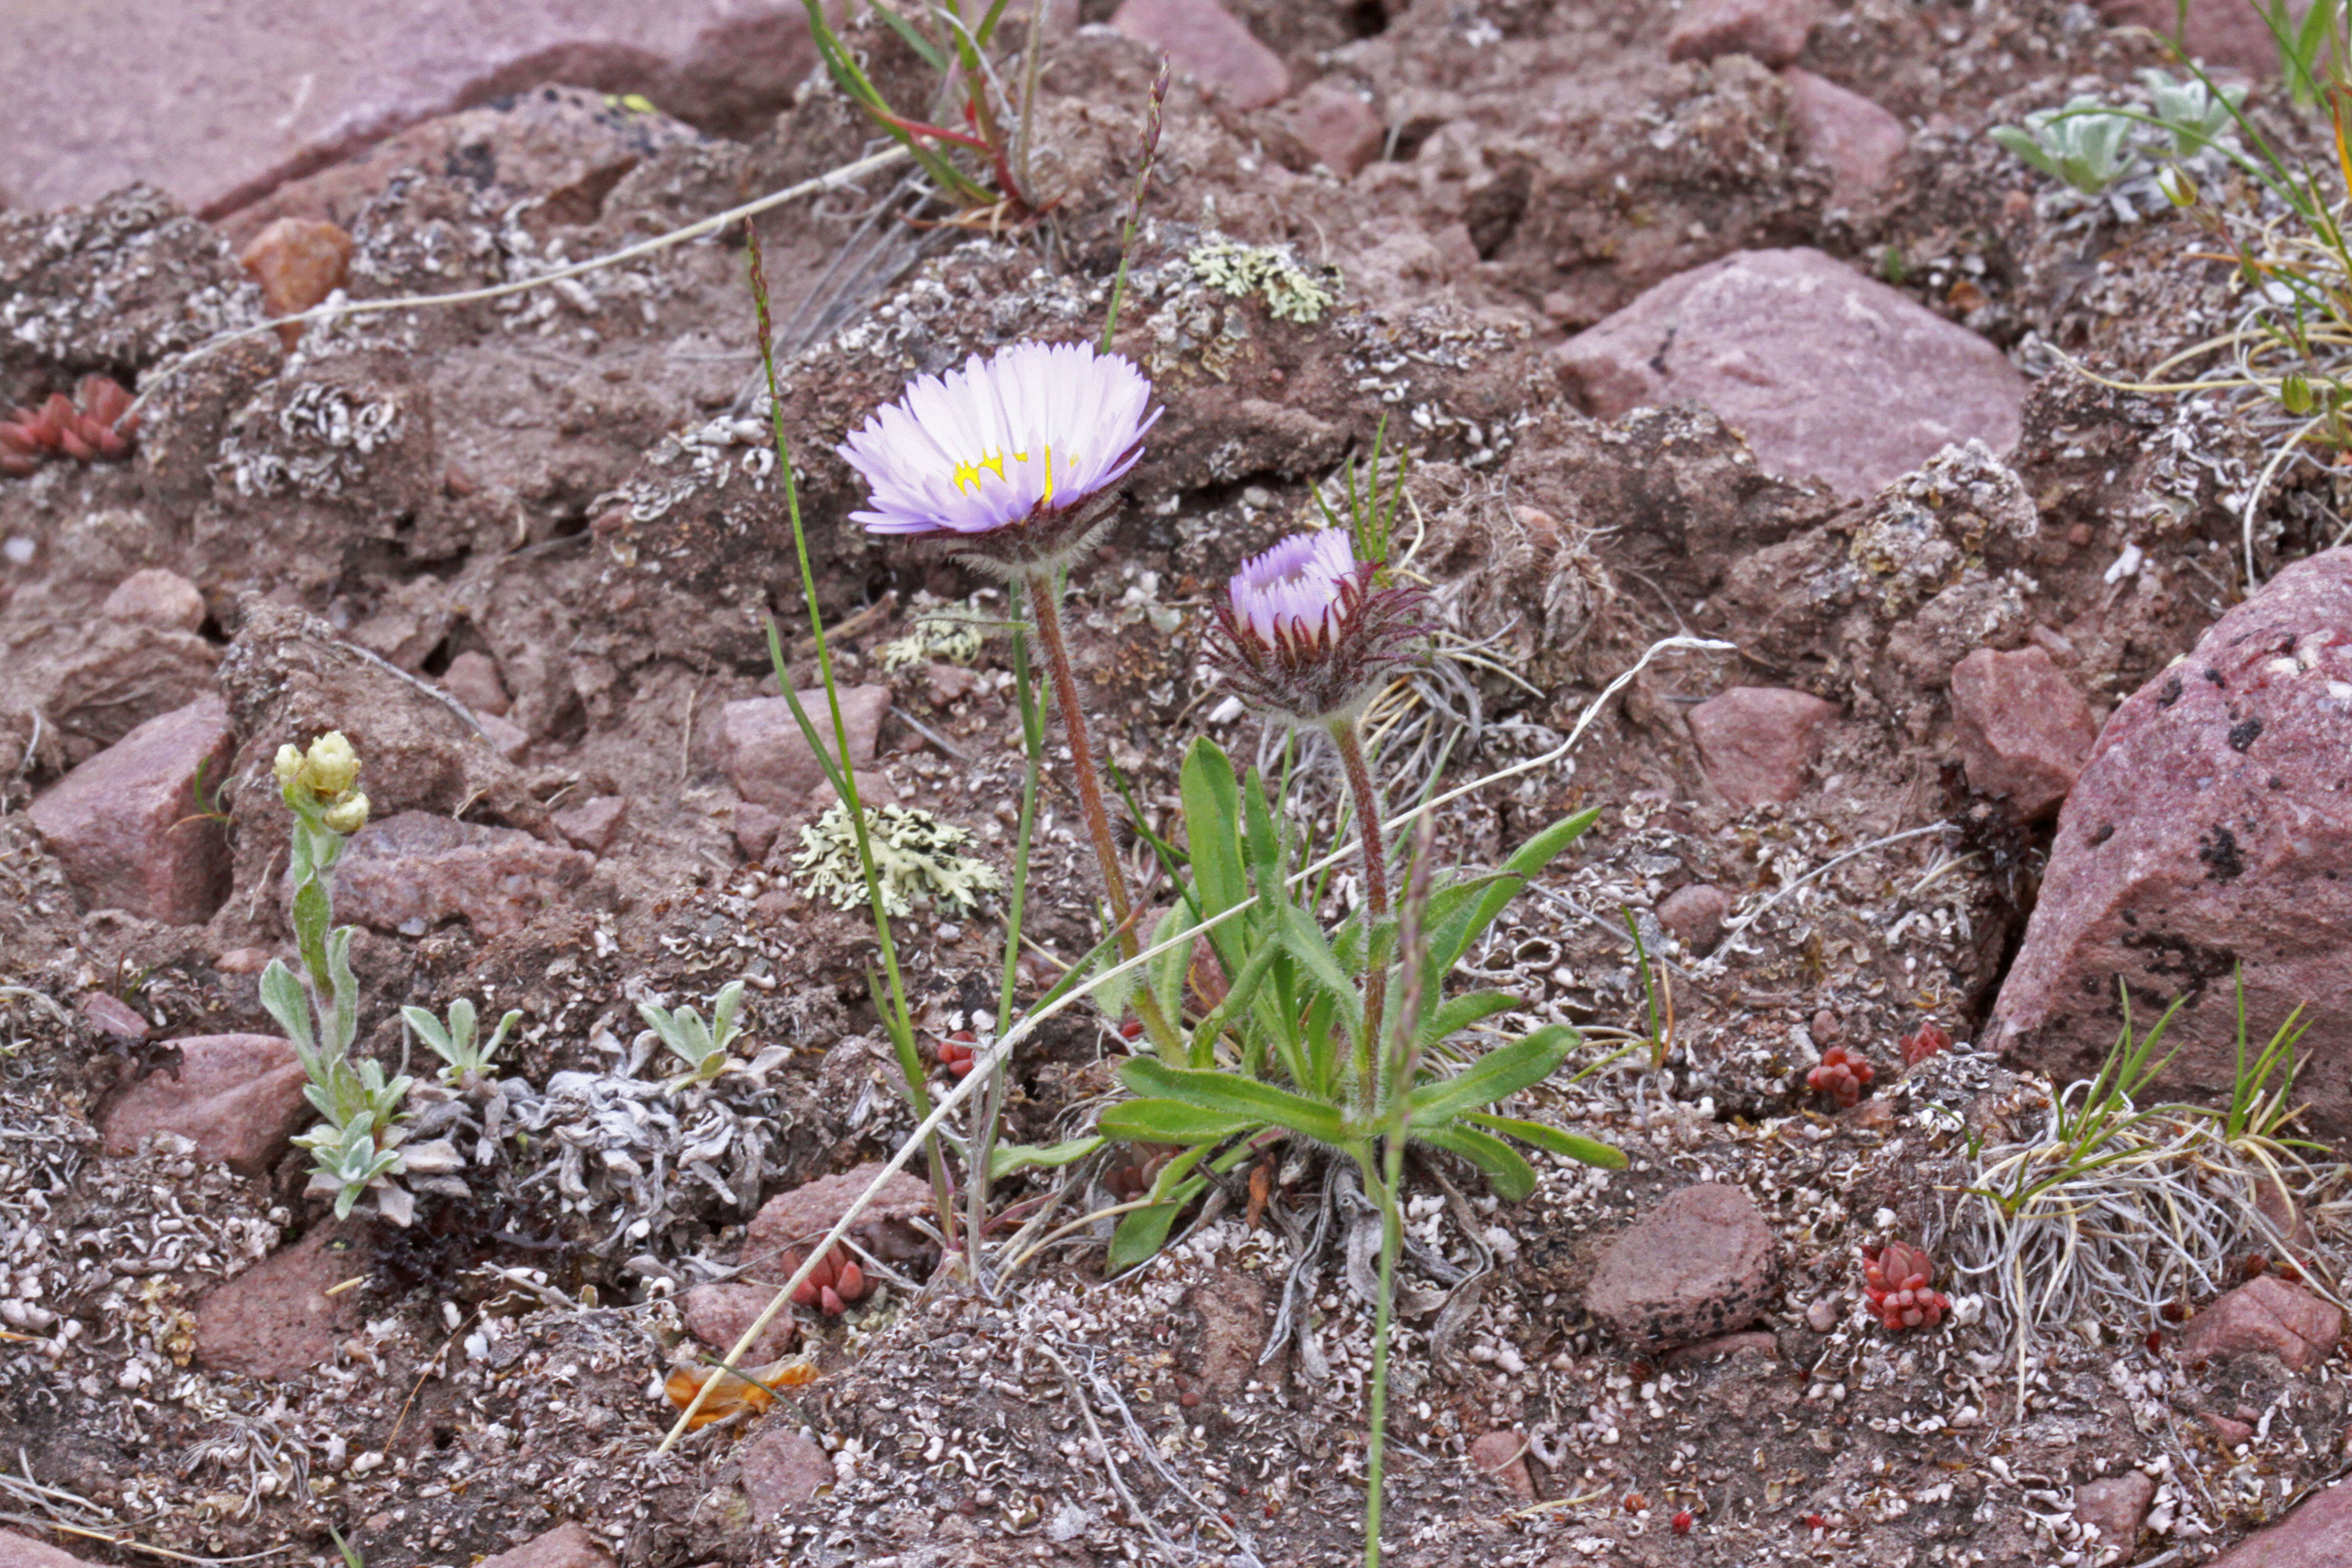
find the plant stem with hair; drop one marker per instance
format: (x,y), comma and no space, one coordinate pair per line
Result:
(1045,610)
(1350,743)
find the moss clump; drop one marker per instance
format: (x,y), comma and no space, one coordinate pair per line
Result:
(915,857)
(1291,292)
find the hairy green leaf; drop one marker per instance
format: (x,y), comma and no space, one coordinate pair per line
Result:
(1497,1075)
(1553,1141)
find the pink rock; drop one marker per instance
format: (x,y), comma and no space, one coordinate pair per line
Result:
(1753,1341)
(568,1545)
(1859,141)
(1204,41)
(219,107)
(114,1016)
(237,1096)
(2117,1505)
(2231,1430)
(1694,914)
(717,1314)
(781,1471)
(1756,741)
(1829,375)
(596,822)
(275,1320)
(765,756)
(756,827)
(297,261)
(1773,31)
(1503,1455)
(2224,33)
(2267,1313)
(24,1551)
(411,871)
(945,685)
(1336,125)
(1698,1266)
(2211,826)
(2024,733)
(2313,1536)
(507,738)
(121,826)
(809,1210)
(157,597)
(473,679)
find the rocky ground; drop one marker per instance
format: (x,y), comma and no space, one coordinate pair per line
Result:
(1725,324)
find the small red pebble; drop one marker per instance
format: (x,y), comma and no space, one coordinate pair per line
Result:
(1635,1502)
(1928,1041)
(1683,1522)
(1842,1075)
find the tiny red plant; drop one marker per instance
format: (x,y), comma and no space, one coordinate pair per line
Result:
(1927,1041)
(1899,1284)
(1816,1521)
(832,1285)
(1683,1522)
(956,1053)
(1842,1075)
(90,428)
(1635,1502)
(1131,1029)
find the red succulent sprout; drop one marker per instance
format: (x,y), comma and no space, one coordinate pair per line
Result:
(956,1053)
(1928,1040)
(1135,1177)
(1683,1521)
(832,1285)
(1899,1278)
(90,428)
(1842,1075)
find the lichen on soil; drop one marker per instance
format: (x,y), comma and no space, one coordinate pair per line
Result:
(525,553)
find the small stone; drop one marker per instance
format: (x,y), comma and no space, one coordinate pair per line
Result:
(945,685)
(781,1471)
(473,679)
(237,1096)
(24,1551)
(1698,1265)
(2117,1505)
(243,960)
(1336,125)
(412,871)
(756,827)
(1234,1314)
(157,597)
(124,824)
(1773,31)
(113,1015)
(1503,1455)
(2023,731)
(1756,741)
(2226,35)
(2231,1430)
(1696,914)
(568,1545)
(2313,1536)
(1859,141)
(507,738)
(1822,1315)
(2267,1314)
(1830,375)
(1205,42)
(275,1320)
(298,262)
(596,822)
(717,1314)
(765,756)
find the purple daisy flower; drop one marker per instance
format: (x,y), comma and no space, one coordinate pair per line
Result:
(1014,454)
(1306,635)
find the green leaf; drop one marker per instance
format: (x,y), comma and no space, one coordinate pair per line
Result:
(428,1029)
(914,37)
(1456,1014)
(1553,1141)
(1146,1078)
(345,1029)
(285,1000)
(1239,993)
(1007,1158)
(1170,1122)
(1211,828)
(1446,948)
(1496,1076)
(1140,1235)
(313,914)
(1261,840)
(1303,940)
(1509,1174)
(1167,971)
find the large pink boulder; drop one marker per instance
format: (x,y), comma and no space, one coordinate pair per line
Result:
(1830,375)
(129,827)
(218,104)
(1204,41)
(237,1096)
(2211,829)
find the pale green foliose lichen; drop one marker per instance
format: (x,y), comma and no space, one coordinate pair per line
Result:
(915,857)
(1291,292)
(952,635)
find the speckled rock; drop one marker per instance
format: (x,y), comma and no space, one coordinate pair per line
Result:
(1696,914)
(1859,141)
(1503,1455)
(2023,731)
(1772,30)
(2268,1314)
(1335,124)
(24,1551)
(275,1320)
(238,1098)
(718,1313)
(768,759)
(2224,33)
(158,598)
(2211,827)
(410,872)
(811,1209)
(127,824)
(1207,42)
(1756,741)
(1700,1264)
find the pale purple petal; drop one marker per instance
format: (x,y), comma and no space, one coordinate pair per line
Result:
(1292,590)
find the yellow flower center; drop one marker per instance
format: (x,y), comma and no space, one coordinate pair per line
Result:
(966,475)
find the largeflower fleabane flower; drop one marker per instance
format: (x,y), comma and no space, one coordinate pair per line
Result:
(1014,455)
(1306,635)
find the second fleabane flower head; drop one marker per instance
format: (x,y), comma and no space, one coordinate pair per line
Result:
(1012,458)
(1306,636)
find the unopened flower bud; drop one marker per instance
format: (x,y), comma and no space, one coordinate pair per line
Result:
(288,764)
(334,766)
(346,816)
(2177,187)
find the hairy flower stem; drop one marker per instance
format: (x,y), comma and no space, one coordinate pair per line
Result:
(1046,610)
(1376,897)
